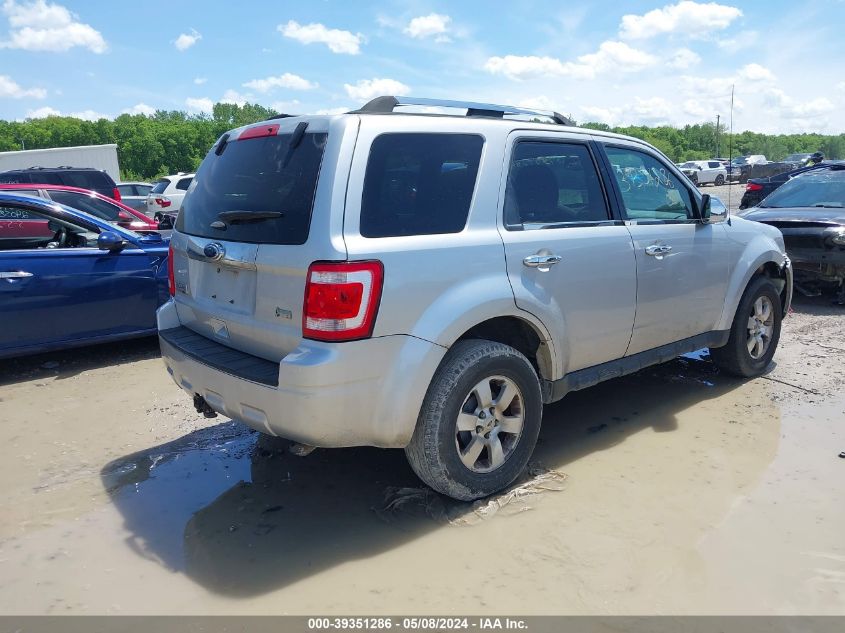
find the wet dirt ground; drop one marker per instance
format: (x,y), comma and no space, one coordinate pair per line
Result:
(673,491)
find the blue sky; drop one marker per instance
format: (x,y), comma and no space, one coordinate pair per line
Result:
(615,62)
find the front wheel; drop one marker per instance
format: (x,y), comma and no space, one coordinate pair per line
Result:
(755,331)
(720,180)
(479,421)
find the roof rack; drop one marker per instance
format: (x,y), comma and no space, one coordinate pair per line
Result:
(387,104)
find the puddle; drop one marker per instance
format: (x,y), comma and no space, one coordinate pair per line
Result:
(628,477)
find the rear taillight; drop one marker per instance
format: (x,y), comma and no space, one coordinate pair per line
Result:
(171,277)
(753,186)
(341,300)
(163,202)
(115,193)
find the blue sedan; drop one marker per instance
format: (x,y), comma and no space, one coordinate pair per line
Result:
(69,279)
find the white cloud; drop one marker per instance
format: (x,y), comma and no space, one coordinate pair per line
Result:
(200,80)
(611,56)
(755,72)
(788,108)
(140,108)
(42,113)
(186,40)
(650,111)
(424,26)
(201,104)
(86,115)
(286,80)
(337,40)
(39,26)
(367,89)
(9,88)
(692,19)
(233,96)
(684,58)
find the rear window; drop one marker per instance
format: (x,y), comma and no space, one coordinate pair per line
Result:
(419,184)
(87,180)
(259,175)
(160,186)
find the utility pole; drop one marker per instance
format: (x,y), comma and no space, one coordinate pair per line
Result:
(717,135)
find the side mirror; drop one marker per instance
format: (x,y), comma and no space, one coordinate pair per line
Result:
(110,241)
(713,210)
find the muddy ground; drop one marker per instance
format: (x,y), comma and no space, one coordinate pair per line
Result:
(676,490)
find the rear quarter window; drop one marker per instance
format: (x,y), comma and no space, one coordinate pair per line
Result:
(419,184)
(183,184)
(14,178)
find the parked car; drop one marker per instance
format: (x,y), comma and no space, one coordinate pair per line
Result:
(68,278)
(80,177)
(134,194)
(758,188)
(96,204)
(429,283)
(703,172)
(809,210)
(738,169)
(165,198)
(799,160)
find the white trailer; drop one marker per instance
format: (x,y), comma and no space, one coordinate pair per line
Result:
(97,156)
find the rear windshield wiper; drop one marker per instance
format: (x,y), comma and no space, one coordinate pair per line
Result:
(244,217)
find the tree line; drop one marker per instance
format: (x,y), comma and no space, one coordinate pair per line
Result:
(173,141)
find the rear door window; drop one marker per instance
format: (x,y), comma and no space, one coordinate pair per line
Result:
(553,183)
(126,190)
(90,204)
(259,175)
(183,184)
(419,184)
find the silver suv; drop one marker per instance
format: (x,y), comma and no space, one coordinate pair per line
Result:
(429,282)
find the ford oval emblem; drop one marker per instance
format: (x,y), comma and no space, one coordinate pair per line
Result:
(213,251)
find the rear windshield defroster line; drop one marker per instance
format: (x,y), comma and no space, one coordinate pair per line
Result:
(252,176)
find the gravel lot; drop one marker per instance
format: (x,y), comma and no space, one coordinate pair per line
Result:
(675,490)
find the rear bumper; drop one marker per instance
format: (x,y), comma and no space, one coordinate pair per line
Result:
(360,393)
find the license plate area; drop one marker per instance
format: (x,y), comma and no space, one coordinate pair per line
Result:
(222,288)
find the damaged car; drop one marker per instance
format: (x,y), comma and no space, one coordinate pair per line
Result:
(809,210)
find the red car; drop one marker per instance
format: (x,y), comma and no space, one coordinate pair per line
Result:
(91,202)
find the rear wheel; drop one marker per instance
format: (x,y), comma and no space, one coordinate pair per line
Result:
(755,331)
(479,422)
(720,180)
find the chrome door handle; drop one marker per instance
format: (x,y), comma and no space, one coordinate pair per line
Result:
(14,274)
(541,261)
(657,250)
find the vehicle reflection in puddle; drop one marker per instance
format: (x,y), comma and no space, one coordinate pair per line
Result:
(236,512)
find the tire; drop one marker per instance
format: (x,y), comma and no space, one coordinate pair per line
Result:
(720,180)
(694,179)
(737,357)
(434,452)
